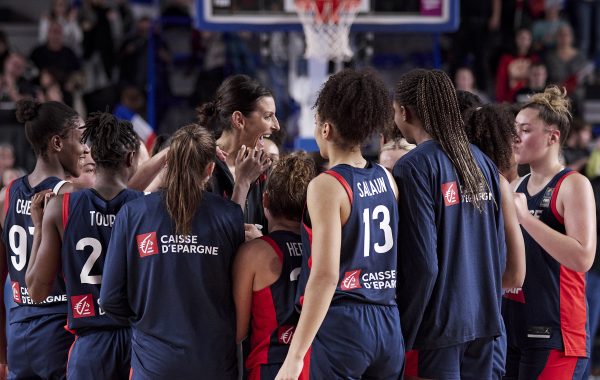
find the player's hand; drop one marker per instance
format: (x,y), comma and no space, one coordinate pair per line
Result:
(521,206)
(290,370)
(38,203)
(252,231)
(250,163)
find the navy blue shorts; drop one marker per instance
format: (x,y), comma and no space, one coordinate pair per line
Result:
(470,360)
(543,364)
(102,354)
(358,341)
(38,348)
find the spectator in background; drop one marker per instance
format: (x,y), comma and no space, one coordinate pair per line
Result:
(536,82)
(465,80)
(57,58)
(514,67)
(588,17)
(576,151)
(4,50)
(66,15)
(544,31)
(13,83)
(7,158)
(49,89)
(566,65)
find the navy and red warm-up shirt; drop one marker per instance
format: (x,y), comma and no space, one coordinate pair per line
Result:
(87,220)
(369,238)
(18,238)
(550,311)
(175,290)
(451,255)
(274,316)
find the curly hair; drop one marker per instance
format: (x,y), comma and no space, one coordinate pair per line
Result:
(357,103)
(554,109)
(492,129)
(109,139)
(44,120)
(287,184)
(466,101)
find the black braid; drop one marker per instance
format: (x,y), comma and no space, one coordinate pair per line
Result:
(433,96)
(109,139)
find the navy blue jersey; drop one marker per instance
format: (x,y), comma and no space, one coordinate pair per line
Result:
(274,316)
(550,311)
(368,251)
(175,290)
(18,237)
(87,221)
(451,255)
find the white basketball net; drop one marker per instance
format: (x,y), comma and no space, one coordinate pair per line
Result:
(326,25)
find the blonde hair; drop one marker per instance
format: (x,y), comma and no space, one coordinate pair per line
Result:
(554,108)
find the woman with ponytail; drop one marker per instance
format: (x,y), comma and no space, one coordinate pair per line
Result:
(38,344)
(168,269)
(72,238)
(240,116)
(451,236)
(547,319)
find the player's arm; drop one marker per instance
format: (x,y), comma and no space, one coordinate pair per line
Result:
(514,273)
(417,248)
(44,260)
(575,202)
(325,201)
(146,172)
(244,270)
(113,293)
(250,163)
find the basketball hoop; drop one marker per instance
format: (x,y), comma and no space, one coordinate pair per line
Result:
(326,25)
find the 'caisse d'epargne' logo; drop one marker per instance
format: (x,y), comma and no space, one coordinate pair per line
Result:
(351,280)
(82,306)
(16,290)
(147,244)
(285,334)
(450,193)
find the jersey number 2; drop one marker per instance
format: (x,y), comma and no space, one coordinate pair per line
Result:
(85,276)
(384,225)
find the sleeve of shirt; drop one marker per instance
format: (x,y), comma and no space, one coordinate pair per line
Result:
(417,248)
(113,293)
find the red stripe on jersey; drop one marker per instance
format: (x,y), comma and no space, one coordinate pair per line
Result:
(305,374)
(274,246)
(264,322)
(65,209)
(344,183)
(411,366)
(555,195)
(7,197)
(558,366)
(130,373)
(573,311)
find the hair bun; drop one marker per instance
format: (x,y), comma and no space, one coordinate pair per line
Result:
(207,110)
(27,110)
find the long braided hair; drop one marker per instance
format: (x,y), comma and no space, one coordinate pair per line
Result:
(431,94)
(109,139)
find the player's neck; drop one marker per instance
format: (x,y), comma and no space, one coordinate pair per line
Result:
(352,157)
(229,143)
(44,169)
(281,224)
(543,170)
(109,183)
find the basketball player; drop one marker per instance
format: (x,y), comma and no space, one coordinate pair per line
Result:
(73,239)
(265,270)
(492,129)
(450,236)
(168,269)
(241,115)
(349,324)
(38,343)
(546,320)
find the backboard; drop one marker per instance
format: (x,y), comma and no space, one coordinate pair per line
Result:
(433,16)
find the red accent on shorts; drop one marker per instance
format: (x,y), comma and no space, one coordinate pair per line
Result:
(411,363)
(573,311)
(559,367)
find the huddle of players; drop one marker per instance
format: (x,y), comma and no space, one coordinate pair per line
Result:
(164,285)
